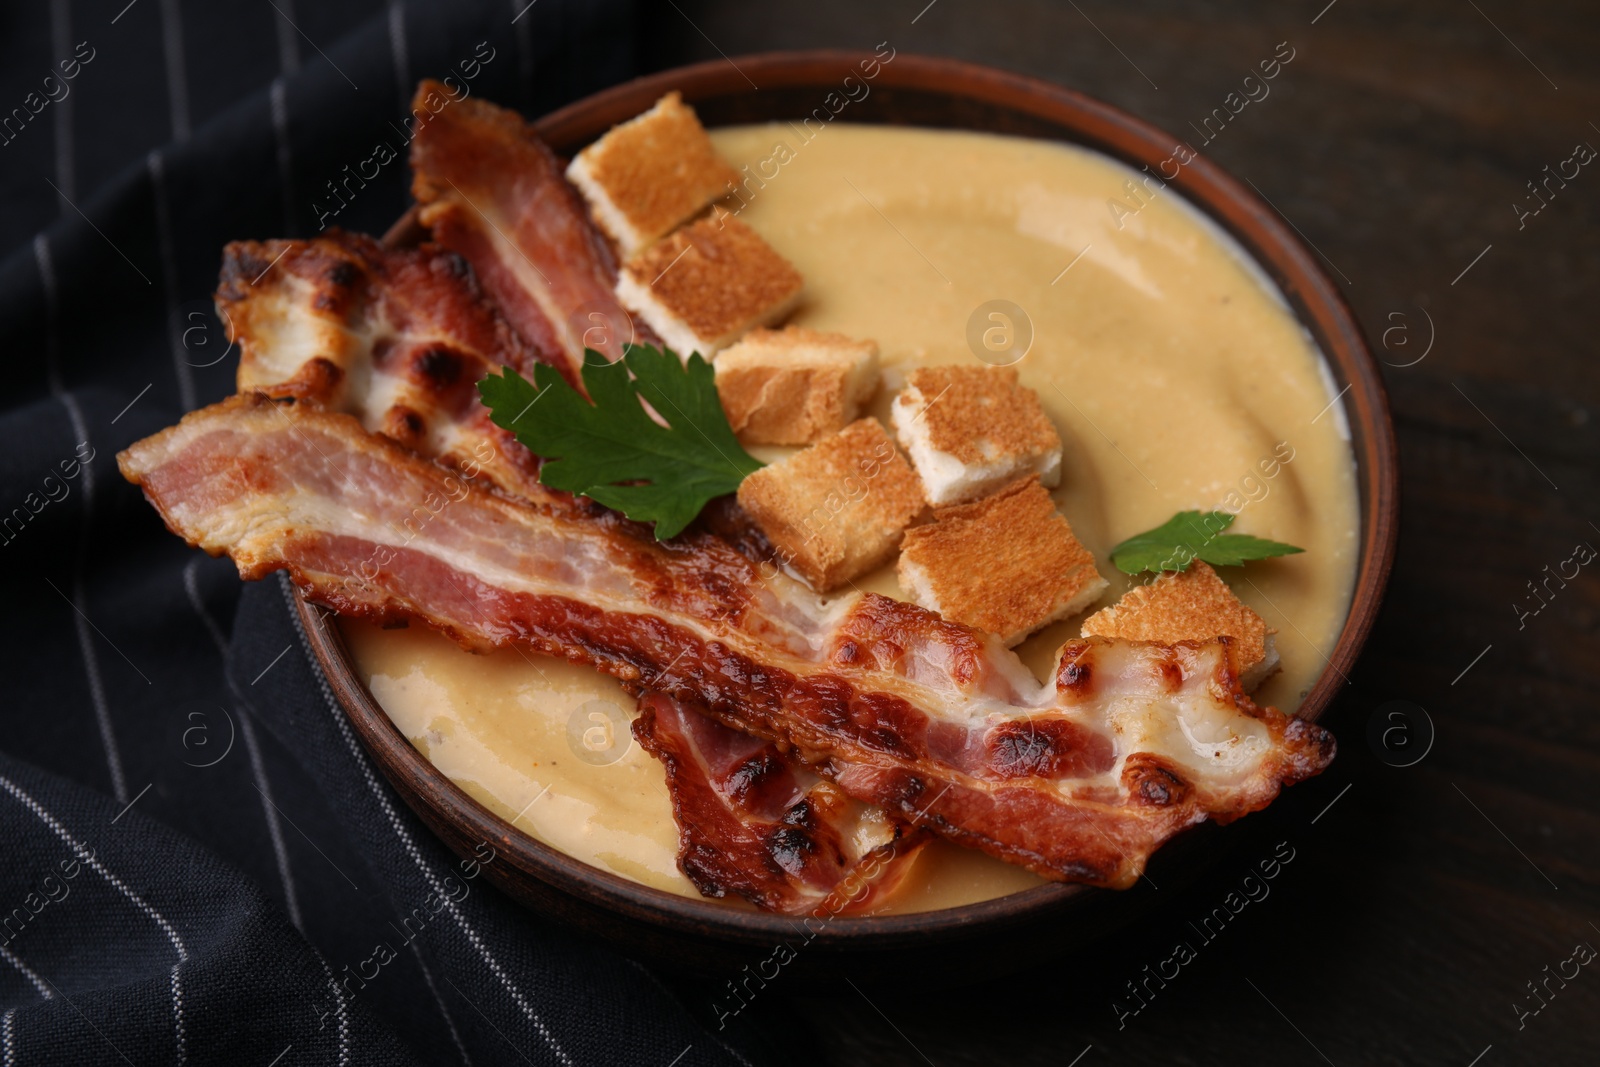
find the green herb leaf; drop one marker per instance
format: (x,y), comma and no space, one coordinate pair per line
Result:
(1192,535)
(611,450)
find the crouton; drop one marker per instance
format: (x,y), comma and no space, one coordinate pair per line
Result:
(971,430)
(650,173)
(1008,564)
(708,283)
(794,386)
(1191,605)
(837,509)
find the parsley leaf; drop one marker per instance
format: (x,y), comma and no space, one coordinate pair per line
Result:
(611,450)
(1192,535)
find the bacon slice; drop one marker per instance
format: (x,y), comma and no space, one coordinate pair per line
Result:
(755,824)
(1078,779)
(398,338)
(491,190)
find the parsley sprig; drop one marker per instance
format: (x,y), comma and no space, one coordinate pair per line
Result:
(610,449)
(1192,535)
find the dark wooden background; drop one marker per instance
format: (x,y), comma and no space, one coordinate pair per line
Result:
(1421,902)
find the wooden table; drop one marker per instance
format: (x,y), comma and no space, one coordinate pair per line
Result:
(1421,900)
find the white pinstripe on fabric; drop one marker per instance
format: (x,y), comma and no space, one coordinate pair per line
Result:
(523,29)
(404,836)
(427,976)
(179,1033)
(87,857)
(8,1040)
(61,45)
(288,40)
(169,280)
(339,1015)
(80,431)
(52,344)
(27,972)
(288,63)
(291,897)
(400,53)
(278,98)
(177,72)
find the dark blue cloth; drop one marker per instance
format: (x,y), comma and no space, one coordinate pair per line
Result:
(196,852)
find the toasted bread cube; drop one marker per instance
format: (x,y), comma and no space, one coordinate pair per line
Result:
(650,173)
(971,430)
(837,509)
(708,283)
(1007,564)
(795,386)
(1191,605)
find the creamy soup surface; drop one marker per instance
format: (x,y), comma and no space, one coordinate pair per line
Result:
(1173,372)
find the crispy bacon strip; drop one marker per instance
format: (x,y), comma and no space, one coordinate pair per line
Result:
(755,824)
(491,190)
(1079,779)
(398,338)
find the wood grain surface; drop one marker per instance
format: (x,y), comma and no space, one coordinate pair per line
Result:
(1421,900)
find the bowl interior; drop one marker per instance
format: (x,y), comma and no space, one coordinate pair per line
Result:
(917,91)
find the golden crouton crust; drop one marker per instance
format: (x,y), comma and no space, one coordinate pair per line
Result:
(837,509)
(1191,605)
(963,404)
(1005,564)
(660,168)
(794,386)
(716,275)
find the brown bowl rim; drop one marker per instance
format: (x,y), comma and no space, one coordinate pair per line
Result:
(1315,301)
